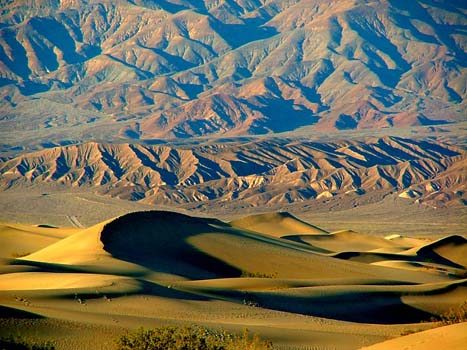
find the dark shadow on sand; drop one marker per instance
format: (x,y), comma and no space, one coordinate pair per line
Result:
(158,240)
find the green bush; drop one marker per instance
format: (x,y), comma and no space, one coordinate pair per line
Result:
(189,338)
(19,343)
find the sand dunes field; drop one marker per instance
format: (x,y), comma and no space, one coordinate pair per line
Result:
(287,280)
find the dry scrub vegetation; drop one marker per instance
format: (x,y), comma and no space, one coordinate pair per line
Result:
(190,338)
(162,338)
(454,315)
(20,343)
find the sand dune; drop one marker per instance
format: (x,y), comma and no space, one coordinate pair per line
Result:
(259,272)
(452,337)
(81,247)
(343,241)
(18,240)
(451,249)
(181,246)
(57,281)
(441,257)
(276,224)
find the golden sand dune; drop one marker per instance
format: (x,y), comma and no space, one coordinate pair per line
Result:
(343,241)
(452,337)
(444,256)
(276,224)
(58,281)
(18,240)
(81,247)
(198,248)
(268,271)
(452,249)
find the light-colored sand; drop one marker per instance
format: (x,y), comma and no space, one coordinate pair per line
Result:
(49,280)
(153,268)
(452,337)
(82,246)
(452,248)
(276,224)
(350,241)
(439,269)
(18,240)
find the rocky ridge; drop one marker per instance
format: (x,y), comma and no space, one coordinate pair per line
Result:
(258,173)
(180,69)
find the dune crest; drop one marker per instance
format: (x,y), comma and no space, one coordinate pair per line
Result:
(277,224)
(261,271)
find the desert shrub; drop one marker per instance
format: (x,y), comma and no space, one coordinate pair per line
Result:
(258,274)
(20,343)
(410,331)
(454,315)
(189,338)
(19,254)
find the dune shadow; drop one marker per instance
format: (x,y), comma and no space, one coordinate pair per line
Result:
(361,307)
(29,87)
(147,288)
(378,308)
(238,35)
(283,115)
(158,240)
(19,61)
(370,257)
(59,36)
(10,312)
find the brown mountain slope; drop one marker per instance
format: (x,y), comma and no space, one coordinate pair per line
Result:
(254,173)
(141,69)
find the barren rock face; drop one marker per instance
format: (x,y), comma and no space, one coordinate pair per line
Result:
(142,69)
(254,173)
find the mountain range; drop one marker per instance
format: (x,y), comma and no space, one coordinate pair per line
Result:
(251,174)
(141,69)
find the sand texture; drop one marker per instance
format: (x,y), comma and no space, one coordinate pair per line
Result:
(288,280)
(452,337)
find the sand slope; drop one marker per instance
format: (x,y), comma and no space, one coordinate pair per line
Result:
(452,249)
(344,241)
(276,224)
(272,272)
(452,337)
(181,246)
(18,240)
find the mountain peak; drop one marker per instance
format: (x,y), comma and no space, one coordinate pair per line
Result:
(333,65)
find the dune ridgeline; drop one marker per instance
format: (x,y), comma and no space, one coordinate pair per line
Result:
(276,274)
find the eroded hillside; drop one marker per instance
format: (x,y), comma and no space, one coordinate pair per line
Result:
(252,173)
(164,69)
